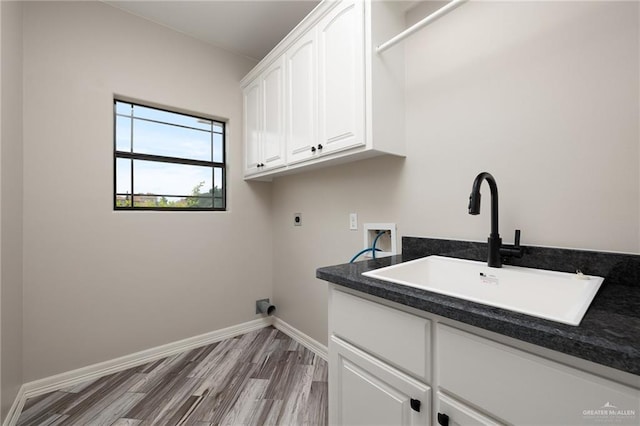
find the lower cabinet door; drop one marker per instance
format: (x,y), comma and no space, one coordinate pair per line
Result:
(365,391)
(454,413)
(526,389)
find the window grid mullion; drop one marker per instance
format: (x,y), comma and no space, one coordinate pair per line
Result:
(224,161)
(131,148)
(163,159)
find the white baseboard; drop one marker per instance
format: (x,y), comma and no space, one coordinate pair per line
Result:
(300,337)
(91,372)
(16,408)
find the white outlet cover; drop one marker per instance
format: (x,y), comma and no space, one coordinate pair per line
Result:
(353,221)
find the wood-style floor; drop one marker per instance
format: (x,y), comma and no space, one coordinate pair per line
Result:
(260,378)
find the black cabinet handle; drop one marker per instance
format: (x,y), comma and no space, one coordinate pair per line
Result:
(415,405)
(313,149)
(319,146)
(443,419)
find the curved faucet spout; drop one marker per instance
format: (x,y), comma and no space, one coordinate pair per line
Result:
(494,240)
(474,199)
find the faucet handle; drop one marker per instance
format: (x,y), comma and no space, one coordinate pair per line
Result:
(515,250)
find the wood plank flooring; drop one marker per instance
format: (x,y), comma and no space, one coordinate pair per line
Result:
(260,378)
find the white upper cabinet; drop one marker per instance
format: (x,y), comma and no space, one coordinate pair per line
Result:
(252,127)
(302,95)
(273,142)
(341,101)
(264,133)
(341,78)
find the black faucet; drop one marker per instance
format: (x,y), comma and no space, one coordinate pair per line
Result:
(496,251)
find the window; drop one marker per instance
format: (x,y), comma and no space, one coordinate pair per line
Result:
(165,160)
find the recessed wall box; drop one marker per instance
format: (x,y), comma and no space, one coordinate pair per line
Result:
(387,243)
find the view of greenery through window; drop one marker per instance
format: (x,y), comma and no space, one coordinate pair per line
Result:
(166,160)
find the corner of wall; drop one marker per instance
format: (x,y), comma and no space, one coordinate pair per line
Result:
(11,131)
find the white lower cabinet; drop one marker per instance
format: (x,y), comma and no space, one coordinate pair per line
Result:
(450,412)
(365,391)
(374,328)
(382,358)
(526,389)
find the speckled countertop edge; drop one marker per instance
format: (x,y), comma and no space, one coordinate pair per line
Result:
(606,335)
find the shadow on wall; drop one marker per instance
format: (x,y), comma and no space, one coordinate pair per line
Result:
(370,177)
(261,192)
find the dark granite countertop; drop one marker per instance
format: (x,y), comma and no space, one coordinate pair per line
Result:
(609,333)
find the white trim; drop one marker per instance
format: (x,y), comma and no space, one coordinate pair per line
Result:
(300,337)
(16,408)
(91,372)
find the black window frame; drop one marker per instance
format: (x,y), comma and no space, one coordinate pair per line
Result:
(167,160)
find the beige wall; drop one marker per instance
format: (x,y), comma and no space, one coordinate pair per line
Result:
(10,204)
(99,284)
(544,95)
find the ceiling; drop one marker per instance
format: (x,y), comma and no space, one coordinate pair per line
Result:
(246,27)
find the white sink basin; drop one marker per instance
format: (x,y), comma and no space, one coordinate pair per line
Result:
(556,296)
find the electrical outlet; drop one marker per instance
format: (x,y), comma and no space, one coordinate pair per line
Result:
(353,221)
(297,219)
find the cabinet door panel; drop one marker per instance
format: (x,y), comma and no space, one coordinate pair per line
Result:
(341,77)
(461,415)
(399,338)
(302,99)
(365,391)
(273,104)
(252,127)
(508,382)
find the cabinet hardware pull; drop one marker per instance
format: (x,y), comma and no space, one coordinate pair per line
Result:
(443,419)
(415,405)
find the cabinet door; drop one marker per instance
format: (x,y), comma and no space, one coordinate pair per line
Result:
(456,413)
(252,127)
(508,382)
(273,133)
(302,99)
(366,391)
(409,351)
(342,77)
